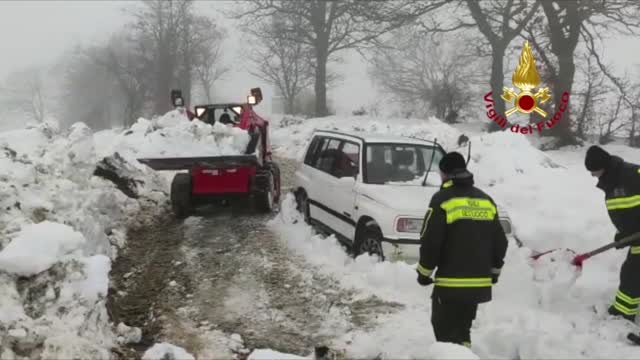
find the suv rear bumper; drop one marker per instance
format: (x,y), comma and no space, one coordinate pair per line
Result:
(402,241)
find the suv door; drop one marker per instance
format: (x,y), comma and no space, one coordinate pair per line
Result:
(319,190)
(331,194)
(343,181)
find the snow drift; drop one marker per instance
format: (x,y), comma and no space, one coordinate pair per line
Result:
(61,226)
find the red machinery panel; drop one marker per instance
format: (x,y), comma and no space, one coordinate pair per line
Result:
(221,181)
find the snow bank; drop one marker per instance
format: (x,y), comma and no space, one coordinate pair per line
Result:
(37,247)
(541,309)
(58,230)
(291,135)
(166,351)
(173,135)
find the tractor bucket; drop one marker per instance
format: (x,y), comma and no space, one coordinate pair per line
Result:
(207,162)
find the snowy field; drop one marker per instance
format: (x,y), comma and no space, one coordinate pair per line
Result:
(61,227)
(540,310)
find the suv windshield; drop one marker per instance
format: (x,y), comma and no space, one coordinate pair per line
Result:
(399,163)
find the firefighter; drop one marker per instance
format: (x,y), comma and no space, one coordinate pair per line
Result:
(462,237)
(620,182)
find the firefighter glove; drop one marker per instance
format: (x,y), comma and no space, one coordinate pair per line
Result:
(617,238)
(424,280)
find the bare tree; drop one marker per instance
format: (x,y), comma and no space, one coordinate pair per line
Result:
(421,70)
(24,92)
(206,54)
(158,27)
(500,22)
(331,27)
(591,96)
(567,19)
(128,70)
(282,61)
(609,122)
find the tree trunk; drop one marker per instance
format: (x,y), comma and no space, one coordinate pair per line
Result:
(290,105)
(321,46)
(564,83)
(497,83)
(321,83)
(207,91)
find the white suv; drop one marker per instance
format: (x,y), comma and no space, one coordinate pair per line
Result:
(370,190)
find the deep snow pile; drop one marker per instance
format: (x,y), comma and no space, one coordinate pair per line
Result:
(173,135)
(290,135)
(60,227)
(542,309)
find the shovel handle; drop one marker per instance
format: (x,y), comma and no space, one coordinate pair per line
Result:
(627,240)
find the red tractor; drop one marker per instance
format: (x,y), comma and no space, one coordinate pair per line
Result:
(252,176)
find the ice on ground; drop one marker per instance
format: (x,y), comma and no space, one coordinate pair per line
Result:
(166,351)
(37,247)
(268,354)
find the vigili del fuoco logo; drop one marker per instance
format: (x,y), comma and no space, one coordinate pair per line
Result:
(526,79)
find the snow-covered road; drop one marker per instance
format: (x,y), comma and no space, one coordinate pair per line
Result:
(223,272)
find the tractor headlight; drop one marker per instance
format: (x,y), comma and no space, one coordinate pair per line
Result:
(409,225)
(251,100)
(200,111)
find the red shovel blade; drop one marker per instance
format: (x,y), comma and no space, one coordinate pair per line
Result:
(578,260)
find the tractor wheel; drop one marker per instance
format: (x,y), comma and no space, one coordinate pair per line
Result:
(265,196)
(275,170)
(369,241)
(181,195)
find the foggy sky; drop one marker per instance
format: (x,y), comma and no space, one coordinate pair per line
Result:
(37,32)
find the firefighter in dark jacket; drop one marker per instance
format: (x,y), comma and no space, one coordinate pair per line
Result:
(620,182)
(462,237)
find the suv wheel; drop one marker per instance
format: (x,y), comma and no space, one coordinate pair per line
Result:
(370,241)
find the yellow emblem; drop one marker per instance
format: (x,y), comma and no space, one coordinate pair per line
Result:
(526,78)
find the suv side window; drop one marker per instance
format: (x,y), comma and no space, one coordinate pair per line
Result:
(312,151)
(328,156)
(348,161)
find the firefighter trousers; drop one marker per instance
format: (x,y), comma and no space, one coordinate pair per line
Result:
(627,300)
(452,321)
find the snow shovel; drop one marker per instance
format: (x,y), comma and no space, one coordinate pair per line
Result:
(579,259)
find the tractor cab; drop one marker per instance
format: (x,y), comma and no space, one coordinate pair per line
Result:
(226,114)
(235,114)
